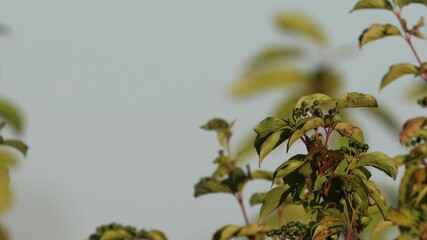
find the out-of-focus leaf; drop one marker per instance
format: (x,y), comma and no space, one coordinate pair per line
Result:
(11,114)
(403,217)
(230,231)
(154,235)
(271,56)
(372,4)
(4,30)
(115,234)
(381,226)
(398,70)
(271,132)
(405,185)
(309,100)
(215,124)
(416,91)
(380,161)
(17,144)
(412,128)
(403,3)
(261,174)
(210,185)
(312,123)
(284,109)
(354,100)
(257,198)
(377,31)
(7,159)
(350,131)
(302,24)
(274,198)
(415,31)
(272,79)
(5,195)
(386,118)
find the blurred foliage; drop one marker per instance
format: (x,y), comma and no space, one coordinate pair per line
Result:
(297,68)
(115,231)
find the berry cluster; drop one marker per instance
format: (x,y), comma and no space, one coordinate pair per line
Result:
(131,231)
(292,230)
(422,101)
(355,147)
(306,111)
(416,140)
(348,189)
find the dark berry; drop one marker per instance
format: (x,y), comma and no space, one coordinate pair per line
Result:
(316,103)
(303,104)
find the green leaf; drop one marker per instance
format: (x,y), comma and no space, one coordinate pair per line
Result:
(257,82)
(302,24)
(152,235)
(415,31)
(404,217)
(115,234)
(405,189)
(11,114)
(215,124)
(309,100)
(310,124)
(354,100)
(372,4)
(257,198)
(403,3)
(377,31)
(226,232)
(210,185)
(260,174)
(350,131)
(5,195)
(330,225)
(274,198)
(251,230)
(380,161)
(289,166)
(398,70)
(271,132)
(272,56)
(379,199)
(18,145)
(7,159)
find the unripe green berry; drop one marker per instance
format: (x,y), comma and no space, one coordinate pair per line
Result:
(319,112)
(303,104)
(316,103)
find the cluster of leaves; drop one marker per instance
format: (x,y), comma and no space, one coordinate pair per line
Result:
(298,68)
(411,213)
(331,184)
(379,31)
(231,178)
(114,231)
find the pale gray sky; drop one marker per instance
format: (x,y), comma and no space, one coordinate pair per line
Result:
(114,93)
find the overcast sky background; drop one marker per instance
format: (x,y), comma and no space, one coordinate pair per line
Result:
(114,93)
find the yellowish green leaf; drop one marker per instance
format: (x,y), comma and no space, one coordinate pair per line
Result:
(258,82)
(271,132)
(115,234)
(354,100)
(372,4)
(274,198)
(415,31)
(312,123)
(302,24)
(350,131)
(309,100)
(377,31)
(226,232)
(380,161)
(378,197)
(257,198)
(398,70)
(5,195)
(210,185)
(11,114)
(403,3)
(7,158)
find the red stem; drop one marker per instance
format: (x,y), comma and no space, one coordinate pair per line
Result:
(239,198)
(408,40)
